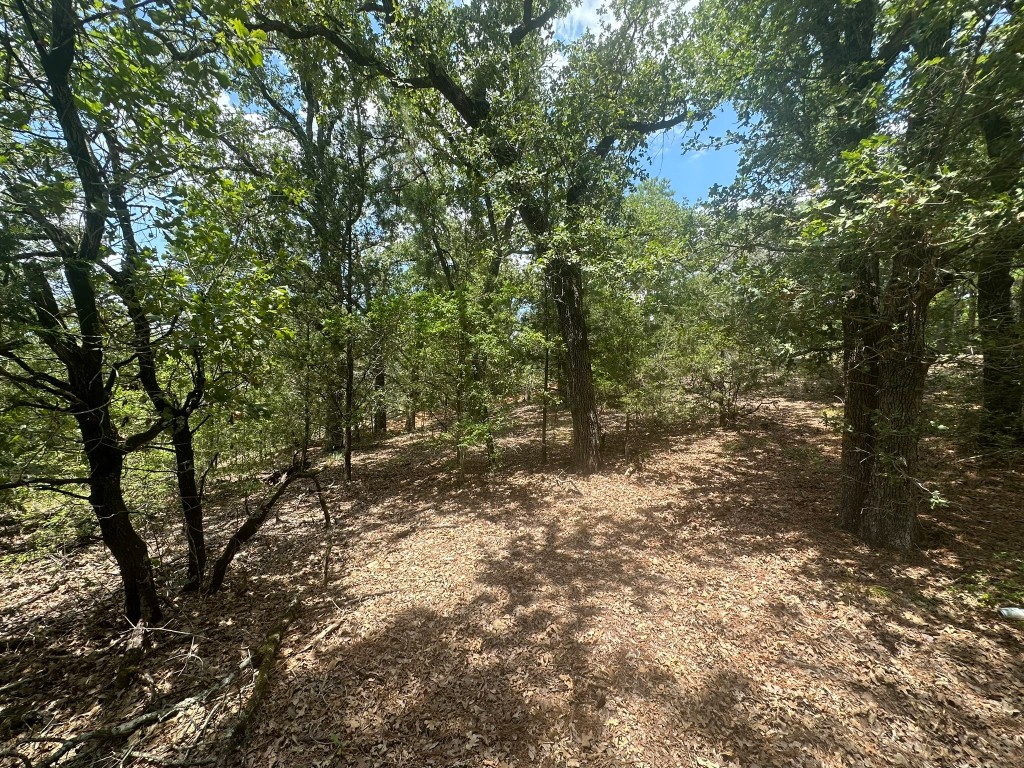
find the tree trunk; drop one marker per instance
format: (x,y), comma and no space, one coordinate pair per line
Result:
(334,426)
(380,413)
(565,280)
(544,394)
(349,350)
(191,502)
(349,405)
(890,508)
(1003,362)
(860,397)
(106,465)
(1001,368)
(890,512)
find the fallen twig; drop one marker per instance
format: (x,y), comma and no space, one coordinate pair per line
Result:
(264,658)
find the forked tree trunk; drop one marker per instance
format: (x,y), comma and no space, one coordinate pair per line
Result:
(106,466)
(565,281)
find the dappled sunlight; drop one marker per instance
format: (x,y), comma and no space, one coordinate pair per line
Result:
(693,605)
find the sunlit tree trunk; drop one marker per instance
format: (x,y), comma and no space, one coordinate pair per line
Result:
(565,281)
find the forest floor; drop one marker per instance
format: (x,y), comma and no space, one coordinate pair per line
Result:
(693,606)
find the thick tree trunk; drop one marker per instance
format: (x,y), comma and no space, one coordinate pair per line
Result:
(191,502)
(106,465)
(860,396)
(565,281)
(890,505)
(890,512)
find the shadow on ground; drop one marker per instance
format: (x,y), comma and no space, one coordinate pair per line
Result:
(693,603)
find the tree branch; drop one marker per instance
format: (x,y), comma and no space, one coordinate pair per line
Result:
(138,440)
(49,482)
(531,24)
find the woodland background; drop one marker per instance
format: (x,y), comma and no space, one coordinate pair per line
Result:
(340,263)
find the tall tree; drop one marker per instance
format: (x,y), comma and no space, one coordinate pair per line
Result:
(856,108)
(101,111)
(526,116)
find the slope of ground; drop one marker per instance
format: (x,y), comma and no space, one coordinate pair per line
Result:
(690,607)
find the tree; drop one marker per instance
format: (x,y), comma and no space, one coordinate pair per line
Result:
(587,121)
(104,111)
(854,111)
(74,335)
(999,249)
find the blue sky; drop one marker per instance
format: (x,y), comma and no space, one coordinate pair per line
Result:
(692,173)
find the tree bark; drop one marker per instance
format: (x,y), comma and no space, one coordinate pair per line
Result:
(191,502)
(888,517)
(1000,343)
(106,466)
(860,396)
(565,281)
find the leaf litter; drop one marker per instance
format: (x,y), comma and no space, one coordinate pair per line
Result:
(693,606)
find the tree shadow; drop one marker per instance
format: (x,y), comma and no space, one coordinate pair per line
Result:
(693,602)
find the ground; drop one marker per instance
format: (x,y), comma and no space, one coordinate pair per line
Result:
(692,605)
